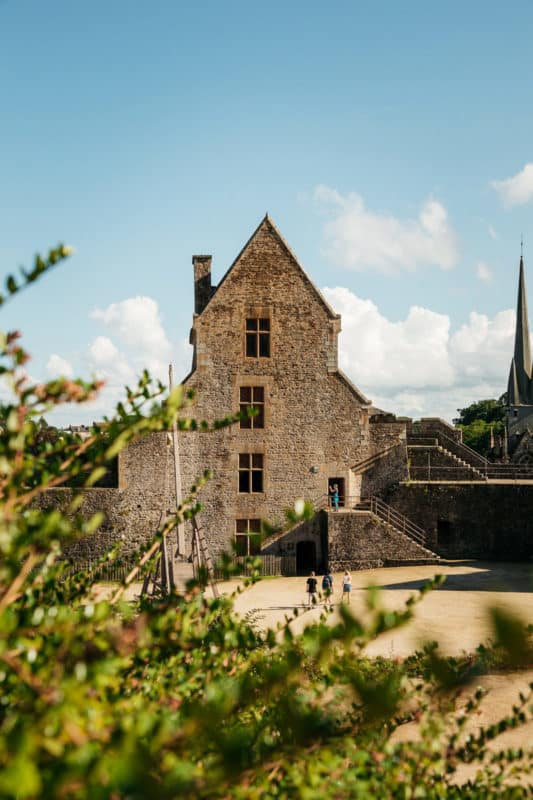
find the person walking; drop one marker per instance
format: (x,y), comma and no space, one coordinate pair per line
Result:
(346,587)
(312,584)
(327,588)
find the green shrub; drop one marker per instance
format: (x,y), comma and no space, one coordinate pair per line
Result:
(178,697)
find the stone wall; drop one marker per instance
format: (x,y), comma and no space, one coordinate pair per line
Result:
(132,512)
(431,425)
(388,470)
(316,422)
(477,520)
(358,540)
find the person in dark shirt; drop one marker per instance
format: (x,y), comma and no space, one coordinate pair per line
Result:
(312,584)
(327,588)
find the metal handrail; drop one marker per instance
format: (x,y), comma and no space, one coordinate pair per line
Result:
(512,470)
(490,472)
(464,449)
(392,517)
(381,510)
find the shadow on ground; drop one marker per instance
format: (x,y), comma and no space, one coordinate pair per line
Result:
(487,577)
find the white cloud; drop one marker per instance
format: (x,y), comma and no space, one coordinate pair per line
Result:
(358,238)
(380,353)
(137,341)
(481,349)
(418,366)
(483,272)
(103,351)
(492,232)
(518,189)
(57,366)
(137,324)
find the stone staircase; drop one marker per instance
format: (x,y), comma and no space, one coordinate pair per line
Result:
(402,526)
(430,459)
(461,459)
(364,534)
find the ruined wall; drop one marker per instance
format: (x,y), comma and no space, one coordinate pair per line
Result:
(385,432)
(490,521)
(316,424)
(357,540)
(132,512)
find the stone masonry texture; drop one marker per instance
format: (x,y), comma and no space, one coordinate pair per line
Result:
(316,423)
(317,427)
(476,520)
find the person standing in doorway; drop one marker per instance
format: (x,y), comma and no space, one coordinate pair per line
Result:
(346,587)
(312,584)
(334,490)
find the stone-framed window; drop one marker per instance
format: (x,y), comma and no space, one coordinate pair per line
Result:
(252,396)
(247,537)
(257,337)
(250,473)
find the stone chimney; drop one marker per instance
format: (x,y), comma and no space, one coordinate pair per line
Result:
(202,282)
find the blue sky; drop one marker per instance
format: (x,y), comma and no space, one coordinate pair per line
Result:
(373,133)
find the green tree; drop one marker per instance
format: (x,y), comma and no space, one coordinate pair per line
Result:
(478,420)
(177,697)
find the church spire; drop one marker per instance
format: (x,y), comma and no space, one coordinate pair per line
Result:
(520,375)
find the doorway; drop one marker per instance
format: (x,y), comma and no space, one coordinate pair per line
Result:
(444,534)
(339,483)
(305,557)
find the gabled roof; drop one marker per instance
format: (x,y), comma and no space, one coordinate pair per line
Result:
(352,388)
(267,223)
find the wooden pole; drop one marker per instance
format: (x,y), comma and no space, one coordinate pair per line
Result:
(177,473)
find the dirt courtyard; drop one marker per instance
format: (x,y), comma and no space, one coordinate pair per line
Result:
(456,615)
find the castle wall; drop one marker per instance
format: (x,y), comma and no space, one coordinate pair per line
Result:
(392,468)
(133,511)
(489,521)
(358,540)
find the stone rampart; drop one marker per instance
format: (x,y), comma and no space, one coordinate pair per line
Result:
(359,540)
(427,463)
(131,512)
(476,520)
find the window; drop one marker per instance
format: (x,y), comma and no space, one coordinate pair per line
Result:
(250,472)
(252,396)
(247,537)
(257,337)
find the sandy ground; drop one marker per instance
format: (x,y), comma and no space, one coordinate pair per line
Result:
(456,615)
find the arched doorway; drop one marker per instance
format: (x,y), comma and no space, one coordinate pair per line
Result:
(305,557)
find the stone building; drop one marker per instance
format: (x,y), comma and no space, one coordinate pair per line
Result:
(407,491)
(265,336)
